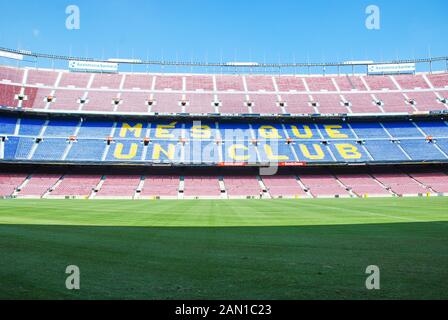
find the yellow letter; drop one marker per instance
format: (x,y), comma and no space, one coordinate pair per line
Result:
(269,132)
(158,149)
(333,132)
(348,151)
(318,150)
(272,156)
(137,129)
(234,156)
(163,133)
(118,154)
(307,135)
(201,132)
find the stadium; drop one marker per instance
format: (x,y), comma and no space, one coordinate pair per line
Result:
(236,183)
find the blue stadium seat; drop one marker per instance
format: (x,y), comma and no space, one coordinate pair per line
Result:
(312,151)
(61,128)
(402,130)
(30,127)
(51,149)
(86,150)
(269,131)
(235,132)
(95,129)
(443,145)
(7,125)
(125,150)
(165,130)
(302,131)
(335,131)
(239,151)
(369,130)
(200,152)
(164,151)
(278,151)
(385,150)
(348,151)
(434,128)
(18,148)
(421,150)
(208,130)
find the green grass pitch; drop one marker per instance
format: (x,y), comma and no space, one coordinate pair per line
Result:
(235,249)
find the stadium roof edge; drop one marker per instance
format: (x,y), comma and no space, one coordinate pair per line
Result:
(218,64)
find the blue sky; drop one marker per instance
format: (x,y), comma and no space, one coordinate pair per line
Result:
(228,30)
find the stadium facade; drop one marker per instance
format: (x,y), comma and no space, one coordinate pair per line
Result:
(110,134)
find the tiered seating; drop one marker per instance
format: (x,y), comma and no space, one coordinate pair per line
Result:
(380,83)
(169,82)
(160,186)
(350,83)
(400,183)
(73,79)
(411,82)
(329,103)
(66,100)
(101,101)
(39,184)
(41,77)
(242,186)
(50,149)
(167,103)
(226,83)
(7,125)
(8,94)
(119,186)
(232,103)
(41,99)
(361,103)
(30,94)
(199,83)
(298,104)
(107,81)
(9,182)
(323,185)
(363,184)
(336,141)
(394,102)
(320,84)
(134,102)
(136,90)
(264,103)
(283,186)
(259,83)
(201,186)
(12,75)
(290,83)
(76,185)
(200,103)
(437,181)
(439,80)
(425,101)
(138,82)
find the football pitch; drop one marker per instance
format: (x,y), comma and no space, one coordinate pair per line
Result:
(231,249)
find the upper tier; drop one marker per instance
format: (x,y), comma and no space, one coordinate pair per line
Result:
(58,90)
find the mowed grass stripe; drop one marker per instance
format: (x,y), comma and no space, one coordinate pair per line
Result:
(245,249)
(209,213)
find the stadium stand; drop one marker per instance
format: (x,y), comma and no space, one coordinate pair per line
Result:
(81,186)
(79,120)
(134,92)
(9,182)
(76,139)
(119,187)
